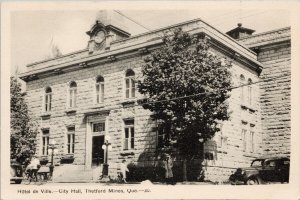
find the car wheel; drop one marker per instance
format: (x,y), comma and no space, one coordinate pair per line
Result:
(252,181)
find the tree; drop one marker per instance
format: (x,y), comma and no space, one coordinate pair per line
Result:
(54,50)
(185,88)
(23,132)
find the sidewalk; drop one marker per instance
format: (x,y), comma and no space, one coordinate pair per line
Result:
(128,183)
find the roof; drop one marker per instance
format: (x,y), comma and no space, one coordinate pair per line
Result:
(145,40)
(266,38)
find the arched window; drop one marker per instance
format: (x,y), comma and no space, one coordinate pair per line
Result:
(129,84)
(72,94)
(250,95)
(48,99)
(242,88)
(99,89)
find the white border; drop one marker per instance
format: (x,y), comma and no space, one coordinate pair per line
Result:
(286,191)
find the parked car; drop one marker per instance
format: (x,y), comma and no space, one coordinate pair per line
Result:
(16,172)
(263,170)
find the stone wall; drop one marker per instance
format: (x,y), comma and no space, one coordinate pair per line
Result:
(274,51)
(275,98)
(61,118)
(228,156)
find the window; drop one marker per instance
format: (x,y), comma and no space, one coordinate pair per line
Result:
(252,141)
(250,98)
(242,88)
(100,90)
(162,134)
(210,150)
(257,163)
(71,139)
(48,99)
(270,163)
(252,138)
(244,139)
(98,127)
(72,94)
(129,135)
(129,84)
(219,137)
(45,142)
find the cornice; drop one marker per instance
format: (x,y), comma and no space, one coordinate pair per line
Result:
(92,61)
(219,41)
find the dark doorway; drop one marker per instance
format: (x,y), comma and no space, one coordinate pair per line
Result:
(97,151)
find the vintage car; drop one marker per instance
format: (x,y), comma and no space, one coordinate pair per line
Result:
(263,170)
(16,172)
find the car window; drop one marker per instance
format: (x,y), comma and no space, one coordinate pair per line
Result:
(256,163)
(286,162)
(270,163)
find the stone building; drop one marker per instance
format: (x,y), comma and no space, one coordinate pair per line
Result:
(273,50)
(84,98)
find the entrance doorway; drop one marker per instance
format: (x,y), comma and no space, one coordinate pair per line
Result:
(97,151)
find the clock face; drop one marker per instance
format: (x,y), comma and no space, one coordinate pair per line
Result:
(99,37)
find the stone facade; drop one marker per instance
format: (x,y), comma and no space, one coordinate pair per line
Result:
(231,148)
(274,52)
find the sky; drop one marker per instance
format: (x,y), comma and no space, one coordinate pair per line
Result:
(33,31)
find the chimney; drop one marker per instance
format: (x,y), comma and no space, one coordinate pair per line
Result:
(240,32)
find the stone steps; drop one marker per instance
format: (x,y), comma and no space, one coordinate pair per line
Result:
(73,173)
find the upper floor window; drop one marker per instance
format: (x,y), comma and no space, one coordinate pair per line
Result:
(45,142)
(242,88)
(129,135)
(250,94)
(130,84)
(72,94)
(48,99)
(100,90)
(71,139)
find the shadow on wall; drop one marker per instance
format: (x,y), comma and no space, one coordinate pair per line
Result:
(149,165)
(154,171)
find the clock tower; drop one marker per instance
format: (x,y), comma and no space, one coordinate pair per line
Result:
(107,28)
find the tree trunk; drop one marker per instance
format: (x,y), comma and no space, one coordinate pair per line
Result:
(184,167)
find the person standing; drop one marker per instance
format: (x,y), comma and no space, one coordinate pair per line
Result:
(124,169)
(168,165)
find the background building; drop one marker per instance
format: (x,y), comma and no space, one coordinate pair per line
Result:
(273,50)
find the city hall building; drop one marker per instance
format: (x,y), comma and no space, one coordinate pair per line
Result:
(87,98)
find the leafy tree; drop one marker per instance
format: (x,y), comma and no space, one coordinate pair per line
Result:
(23,133)
(184,84)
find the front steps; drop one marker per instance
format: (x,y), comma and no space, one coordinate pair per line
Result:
(69,173)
